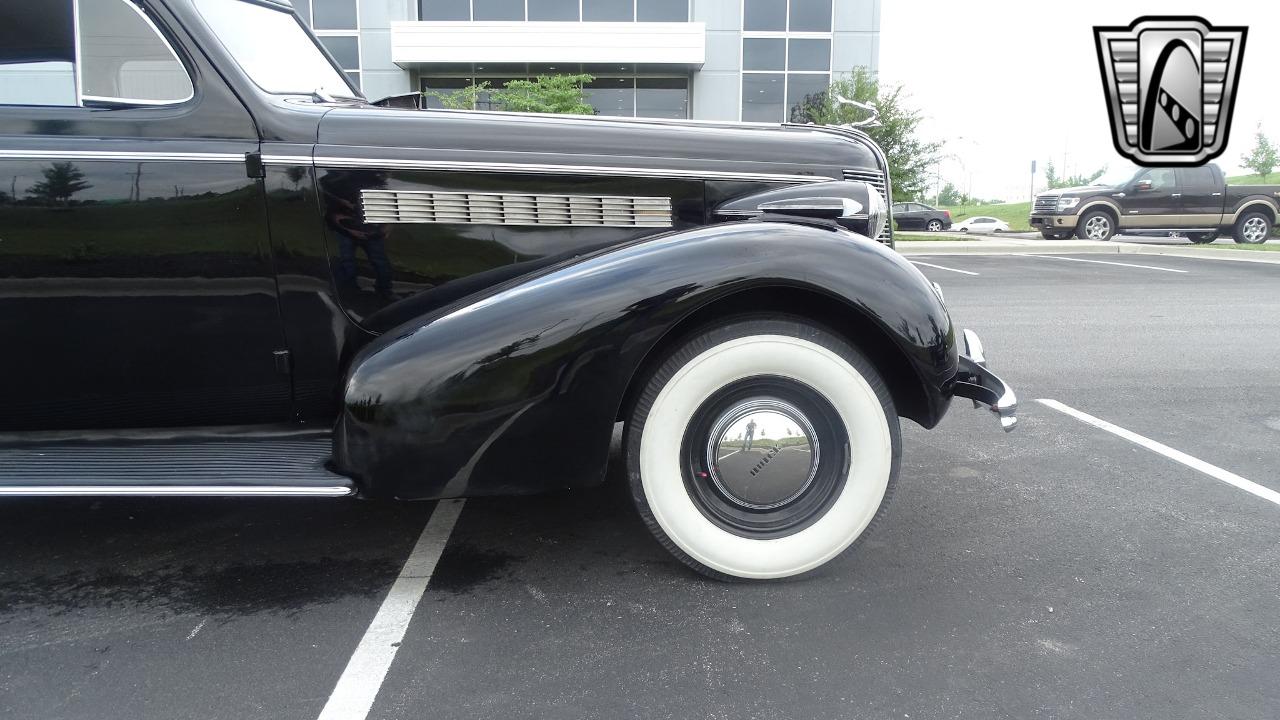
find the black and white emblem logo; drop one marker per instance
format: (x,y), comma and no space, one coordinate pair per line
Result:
(1170,85)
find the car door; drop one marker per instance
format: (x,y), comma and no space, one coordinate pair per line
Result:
(1201,202)
(1152,200)
(913,218)
(135,285)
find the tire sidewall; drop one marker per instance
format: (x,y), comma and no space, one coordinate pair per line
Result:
(733,351)
(1083,234)
(1239,230)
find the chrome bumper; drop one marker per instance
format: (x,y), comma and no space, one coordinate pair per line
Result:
(983,387)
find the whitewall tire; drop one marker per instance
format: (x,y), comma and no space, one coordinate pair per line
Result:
(762,448)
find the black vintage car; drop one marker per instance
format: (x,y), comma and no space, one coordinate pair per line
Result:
(223,272)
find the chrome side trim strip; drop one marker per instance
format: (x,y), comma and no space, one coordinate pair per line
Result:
(175,491)
(287,159)
(541,169)
(122,156)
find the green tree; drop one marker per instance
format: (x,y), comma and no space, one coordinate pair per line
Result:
(1054,181)
(951,195)
(557,94)
(61,181)
(910,158)
(1263,158)
(463,99)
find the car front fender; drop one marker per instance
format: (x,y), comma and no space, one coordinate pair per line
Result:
(516,389)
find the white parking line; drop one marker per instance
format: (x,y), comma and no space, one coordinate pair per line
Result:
(1107,262)
(940,267)
(1212,471)
(358,687)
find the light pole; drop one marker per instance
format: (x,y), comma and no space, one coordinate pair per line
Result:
(937,174)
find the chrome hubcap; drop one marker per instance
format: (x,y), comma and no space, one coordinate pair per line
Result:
(762,453)
(1255,230)
(1097,228)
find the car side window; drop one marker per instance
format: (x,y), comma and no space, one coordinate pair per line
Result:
(1160,178)
(38,54)
(123,58)
(899,207)
(1199,178)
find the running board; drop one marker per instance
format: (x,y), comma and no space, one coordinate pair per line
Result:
(223,467)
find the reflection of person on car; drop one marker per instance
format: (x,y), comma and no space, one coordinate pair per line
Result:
(344,217)
(751,434)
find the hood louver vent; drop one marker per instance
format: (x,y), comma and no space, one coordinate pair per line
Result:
(427,206)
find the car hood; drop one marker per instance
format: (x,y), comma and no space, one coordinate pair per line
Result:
(594,141)
(1079,191)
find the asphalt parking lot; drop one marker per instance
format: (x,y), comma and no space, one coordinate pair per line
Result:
(1062,571)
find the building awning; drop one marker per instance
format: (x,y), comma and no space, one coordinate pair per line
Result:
(419,44)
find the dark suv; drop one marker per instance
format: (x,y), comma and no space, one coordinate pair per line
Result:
(1195,201)
(918,216)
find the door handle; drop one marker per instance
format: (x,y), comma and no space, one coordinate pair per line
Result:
(1217,194)
(1175,195)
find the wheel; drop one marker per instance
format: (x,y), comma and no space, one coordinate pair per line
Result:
(935,226)
(762,448)
(1096,225)
(1202,238)
(1253,228)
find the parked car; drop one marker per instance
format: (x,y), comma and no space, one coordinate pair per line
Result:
(981,224)
(1195,201)
(917,216)
(226,273)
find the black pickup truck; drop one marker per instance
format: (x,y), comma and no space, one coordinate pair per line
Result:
(1195,201)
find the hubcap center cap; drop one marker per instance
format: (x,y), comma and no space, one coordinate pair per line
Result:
(762,453)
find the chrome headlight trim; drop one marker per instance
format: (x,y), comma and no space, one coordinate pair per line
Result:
(877,213)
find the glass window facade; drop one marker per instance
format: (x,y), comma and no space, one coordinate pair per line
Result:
(764,15)
(808,54)
(764,54)
(553,10)
(617,96)
(337,24)
(762,96)
(334,15)
(809,16)
(662,98)
(613,96)
(662,10)
(344,48)
(497,10)
(608,10)
(445,10)
(786,56)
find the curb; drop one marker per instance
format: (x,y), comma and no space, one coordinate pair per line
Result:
(1050,247)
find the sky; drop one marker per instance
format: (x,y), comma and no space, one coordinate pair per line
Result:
(1005,82)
